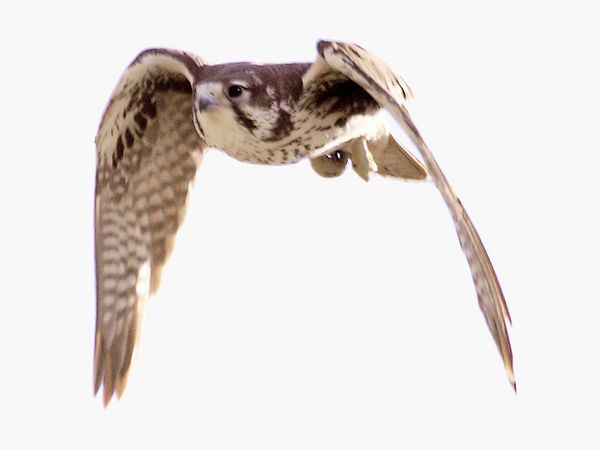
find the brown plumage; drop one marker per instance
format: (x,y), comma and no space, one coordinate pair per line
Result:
(169,106)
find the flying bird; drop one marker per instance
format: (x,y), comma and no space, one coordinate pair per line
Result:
(170,106)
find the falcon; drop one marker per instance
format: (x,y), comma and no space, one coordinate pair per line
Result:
(170,106)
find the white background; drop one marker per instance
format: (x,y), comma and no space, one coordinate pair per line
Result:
(298,312)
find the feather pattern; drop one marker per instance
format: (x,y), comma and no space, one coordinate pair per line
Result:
(169,106)
(148,153)
(389,90)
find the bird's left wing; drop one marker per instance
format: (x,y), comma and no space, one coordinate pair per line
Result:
(148,152)
(390,91)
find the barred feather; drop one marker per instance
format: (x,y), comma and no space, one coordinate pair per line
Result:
(148,153)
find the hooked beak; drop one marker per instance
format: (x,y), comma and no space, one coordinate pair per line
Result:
(205,101)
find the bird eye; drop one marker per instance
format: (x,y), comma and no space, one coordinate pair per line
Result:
(235,90)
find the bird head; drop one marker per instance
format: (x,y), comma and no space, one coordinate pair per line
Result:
(241,106)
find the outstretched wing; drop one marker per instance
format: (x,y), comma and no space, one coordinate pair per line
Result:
(148,152)
(390,91)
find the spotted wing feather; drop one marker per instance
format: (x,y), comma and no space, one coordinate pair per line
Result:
(390,92)
(148,153)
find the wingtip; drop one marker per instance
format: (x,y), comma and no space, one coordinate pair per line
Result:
(111,390)
(506,314)
(511,376)
(106,399)
(107,396)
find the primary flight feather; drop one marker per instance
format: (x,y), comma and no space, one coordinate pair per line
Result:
(170,106)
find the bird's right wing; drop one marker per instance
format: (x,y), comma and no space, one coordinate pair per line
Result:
(148,152)
(390,91)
